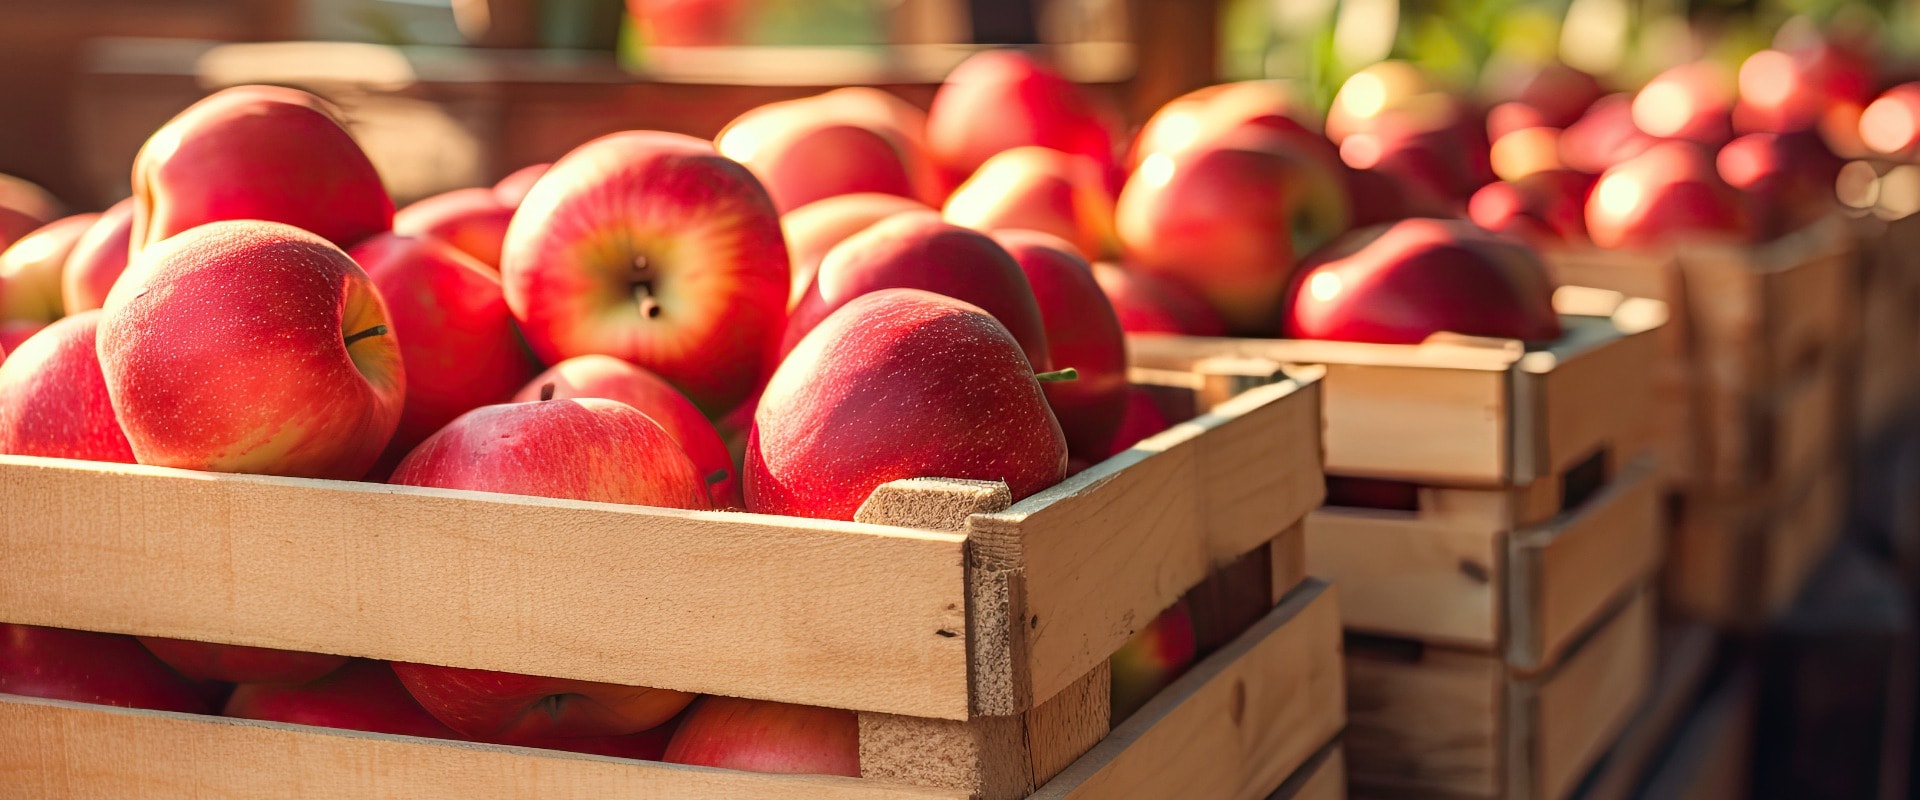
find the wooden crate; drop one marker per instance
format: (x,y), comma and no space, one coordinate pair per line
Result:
(971,635)
(1688,654)
(1712,756)
(1886,382)
(1429,721)
(1739,561)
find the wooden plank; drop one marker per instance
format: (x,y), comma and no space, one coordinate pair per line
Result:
(737,604)
(1715,562)
(1289,551)
(1713,757)
(1423,721)
(1591,390)
(1806,417)
(1810,295)
(55,749)
(1802,535)
(1567,574)
(1564,722)
(1100,557)
(1237,724)
(1441,426)
(1401,575)
(1323,777)
(1686,657)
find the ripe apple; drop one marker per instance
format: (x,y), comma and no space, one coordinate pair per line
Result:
(1155,303)
(1231,220)
(1544,208)
(1152,660)
(1426,159)
(1142,419)
(1795,88)
(1667,193)
(1001,99)
(1554,93)
(919,251)
(252,347)
(1380,88)
(363,695)
(688,23)
(802,152)
(456,336)
(1082,333)
(899,383)
(1692,101)
(610,378)
(813,229)
(53,399)
(508,708)
(97,259)
(1605,136)
(513,188)
(257,152)
(88,667)
(239,663)
(902,122)
(473,220)
(16,332)
(1375,197)
(1525,151)
(1891,124)
(1035,188)
(24,206)
(1405,282)
(1790,178)
(653,248)
(764,736)
(30,270)
(1203,115)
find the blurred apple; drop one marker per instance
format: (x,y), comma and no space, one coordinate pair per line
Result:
(1543,208)
(1891,124)
(24,206)
(803,152)
(1789,90)
(1379,89)
(1001,99)
(1142,419)
(1555,94)
(513,188)
(1671,192)
(1605,136)
(97,259)
(30,270)
(1692,101)
(812,230)
(1205,114)
(1526,151)
(1152,660)
(1789,177)
(763,736)
(86,667)
(1035,188)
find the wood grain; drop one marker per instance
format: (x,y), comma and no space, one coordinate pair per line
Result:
(1567,720)
(1426,724)
(1402,575)
(1592,389)
(1323,778)
(1568,573)
(1686,652)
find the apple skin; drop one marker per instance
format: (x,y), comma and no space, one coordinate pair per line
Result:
(24,206)
(1205,114)
(1668,193)
(764,736)
(456,335)
(362,695)
(228,352)
(30,270)
(1794,89)
(1692,101)
(813,229)
(1604,136)
(513,188)
(1890,125)
(1142,419)
(1789,176)
(213,162)
(1083,333)
(610,378)
(1544,208)
(1001,99)
(1557,94)
(16,332)
(1156,304)
(1405,282)
(240,663)
(473,220)
(1231,220)
(53,399)
(508,708)
(97,259)
(802,152)
(899,383)
(919,251)
(1381,88)
(1035,188)
(87,667)
(664,215)
(1152,660)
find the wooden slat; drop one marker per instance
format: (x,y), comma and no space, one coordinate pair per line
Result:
(1802,535)
(1323,777)
(1411,577)
(1099,557)
(1568,573)
(736,604)
(1423,425)
(1289,552)
(1564,722)
(1686,658)
(1237,724)
(52,749)
(1590,390)
(1806,417)
(1713,757)
(1424,723)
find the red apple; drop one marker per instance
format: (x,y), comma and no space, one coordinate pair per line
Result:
(763,736)
(1152,660)
(97,259)
(902,122)
(1203,115)
(688,23)
(257,152)
(802,153)
(87,667)
(813,229)
(1526,151)
(1035,188)
(1376,197)
(30,270)
(919,251)
(1231,220)
(456,336)
(24,206)
(1156,304)
(16,332)
(1544,208)
(513,188)
(239,663)
(1142,419)
(473,220)
(1794,89)
(1082,333)
(653,248)
(613,379)
(1790,178)
(1001,99)
(53,399)
(899,383)
(1668,193)
(361,696)
(508,708)
(1381,88)
(1692,101)
(1556,94)
(1604,137)
(252,347)
(1427,160)
(1405,282)
(1891,124)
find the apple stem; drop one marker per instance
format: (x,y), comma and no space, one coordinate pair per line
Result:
(642,281)
(1058,375)
(717,476)
(377,330)
(546,391)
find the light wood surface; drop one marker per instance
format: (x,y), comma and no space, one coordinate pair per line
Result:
(1568,720)
(1324,777)
(1569,572)
(1401,575)
(1686,657)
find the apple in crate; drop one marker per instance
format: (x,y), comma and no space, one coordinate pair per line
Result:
(88,667)
(1544,208)
(1035,188)
(1156,304)
(812,230)
(610,378)
(802,153)
(1604,136)
(653,248)
(53,398)
(1082,333)
(97,259)
(239,663)
(1789,178)
(257,152)
(1692,101)
(1142,419)
(1204,115)
(1669,193)
(1152,660)
(30,270)
(473,220)
(513,188)
(362,695)
(252,347)
(1001,99)
(899,383)
(24,206)
(1402,283)
(764,736)
(1891,123)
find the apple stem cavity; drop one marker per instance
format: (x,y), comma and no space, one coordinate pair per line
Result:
(642,287)
(377,330)
(546,391)
(1058,375)
(717,476)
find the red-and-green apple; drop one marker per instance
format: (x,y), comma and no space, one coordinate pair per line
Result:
(1156,304)
(1670,192)
(24,206)
(239,663)
(30,270)
(899,383)
(653,248)
(97,259)
(513,188)
(53,399)
(1036,188)
(87,667)
(764,736)
(252,347)
(473,220)
(1405,282)
(813,229)
(1001,99)
(1082,333)
(257,152)
(1152,660)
